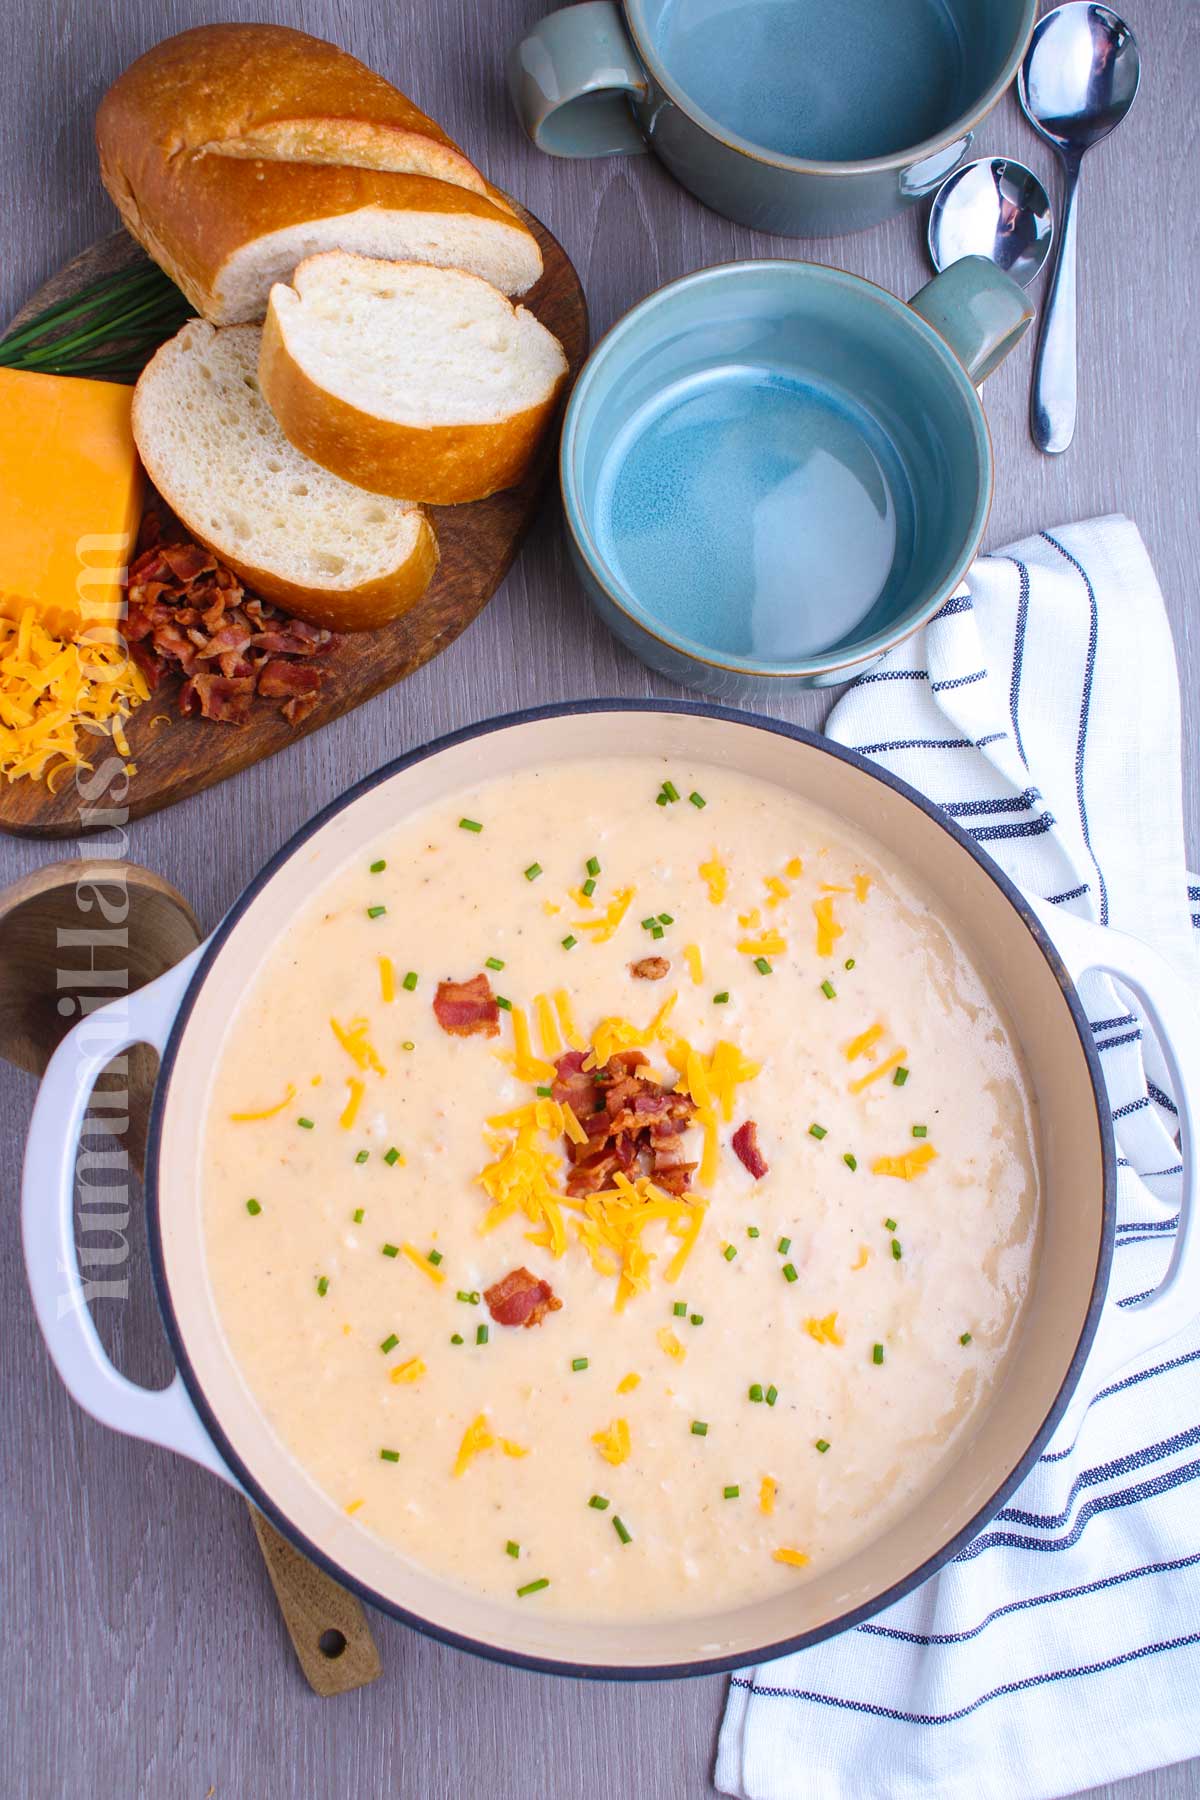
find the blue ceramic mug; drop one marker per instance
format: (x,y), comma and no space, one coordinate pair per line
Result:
(804,117)
(774,471)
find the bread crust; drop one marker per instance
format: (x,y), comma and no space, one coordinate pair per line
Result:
(363,608)
(226,133)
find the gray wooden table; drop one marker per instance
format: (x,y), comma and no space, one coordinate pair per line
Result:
(145,1652)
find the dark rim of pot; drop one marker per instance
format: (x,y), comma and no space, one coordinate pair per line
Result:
(704,1665)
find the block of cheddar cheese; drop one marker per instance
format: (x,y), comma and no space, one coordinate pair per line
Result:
(70,499)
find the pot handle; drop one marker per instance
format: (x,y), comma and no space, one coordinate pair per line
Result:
(980,311)
(164,1416)
(570,79)
(1127,1332)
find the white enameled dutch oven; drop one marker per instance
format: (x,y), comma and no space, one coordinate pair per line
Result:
(1032,955)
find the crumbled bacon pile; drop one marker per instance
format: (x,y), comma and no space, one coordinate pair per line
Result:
(629,1119)
(188,613)
(464,1008)
(521,1298)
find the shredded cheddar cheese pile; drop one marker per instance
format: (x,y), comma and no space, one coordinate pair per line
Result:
(520,1175)
(524,1169)
(52,692)
(710,1082)
(609,1224)
(614,1220)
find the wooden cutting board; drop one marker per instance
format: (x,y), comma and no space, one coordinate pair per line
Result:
(478,543)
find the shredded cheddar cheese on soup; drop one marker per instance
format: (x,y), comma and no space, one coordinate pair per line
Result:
(716,877)
(423,1263)
(613,1442)
(562,1006)
(355,1091)
(603,928)
(828,929)
(767,943)
(357,1045)
(879,1071)
(475,1440)
(524,1064)
(548,1030)
(387,980)
(865,1043)
(907,1166)
(266,1112)
(824,1331)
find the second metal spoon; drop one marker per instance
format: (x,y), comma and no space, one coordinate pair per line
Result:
(1079,79)
(994,207)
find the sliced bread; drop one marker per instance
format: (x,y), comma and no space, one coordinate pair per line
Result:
(317,546)
(407,379)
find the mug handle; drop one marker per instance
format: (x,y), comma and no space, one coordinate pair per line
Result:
(569,79)
(1127,1332)
(162,1416)
(980,311)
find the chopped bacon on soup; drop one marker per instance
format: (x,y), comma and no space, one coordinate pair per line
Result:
(465,1008)
(521,1298)
(628,1118)
(745,1148)
(650,968)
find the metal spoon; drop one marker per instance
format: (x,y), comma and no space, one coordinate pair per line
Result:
(992,207)
(1079,79)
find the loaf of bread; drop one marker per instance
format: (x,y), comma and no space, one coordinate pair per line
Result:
(411,381)
(324,550)
(235,151)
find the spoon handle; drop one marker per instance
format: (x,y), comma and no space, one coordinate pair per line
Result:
(1052,404)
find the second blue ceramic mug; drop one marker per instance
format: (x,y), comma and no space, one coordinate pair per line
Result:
(804,117)
(774,471)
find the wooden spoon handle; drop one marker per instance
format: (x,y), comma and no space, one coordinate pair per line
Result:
(327,1625)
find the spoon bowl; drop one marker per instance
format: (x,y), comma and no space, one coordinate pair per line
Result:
(1080,75)
(992,207)
(1079,78)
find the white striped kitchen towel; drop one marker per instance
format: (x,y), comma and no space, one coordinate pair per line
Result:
(1061,1649)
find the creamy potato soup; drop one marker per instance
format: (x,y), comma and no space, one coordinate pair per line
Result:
(620,1189)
